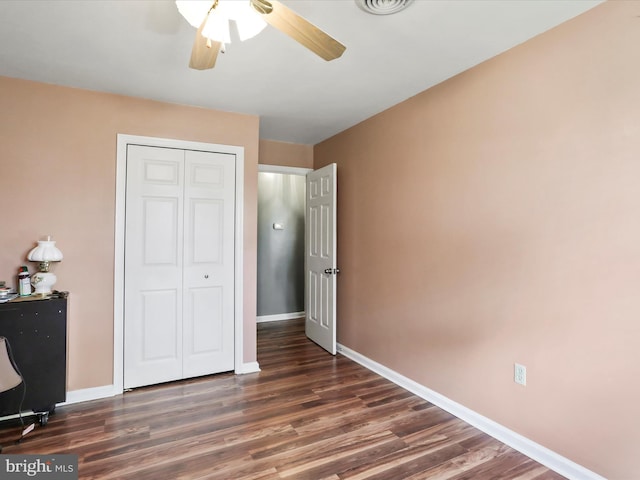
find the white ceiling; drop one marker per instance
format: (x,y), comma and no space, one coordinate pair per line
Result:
(141,48)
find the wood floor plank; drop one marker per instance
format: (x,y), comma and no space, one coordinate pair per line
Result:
(306,416)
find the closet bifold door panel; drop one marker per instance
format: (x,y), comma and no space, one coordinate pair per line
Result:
(208,326)
(179,264)
(153,265)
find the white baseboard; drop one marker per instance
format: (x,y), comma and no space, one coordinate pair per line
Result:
(533,450)
(88,394)
(251,367)
(106,391)
(278,317)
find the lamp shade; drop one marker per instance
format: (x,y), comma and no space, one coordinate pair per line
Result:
(46,251)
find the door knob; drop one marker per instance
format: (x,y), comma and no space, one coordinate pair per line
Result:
(331,271)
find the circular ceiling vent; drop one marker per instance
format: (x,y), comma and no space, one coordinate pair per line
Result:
(383,7)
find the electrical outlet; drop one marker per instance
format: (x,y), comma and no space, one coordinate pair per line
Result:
(519,374)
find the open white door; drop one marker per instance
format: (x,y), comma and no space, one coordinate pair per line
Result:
(320,246)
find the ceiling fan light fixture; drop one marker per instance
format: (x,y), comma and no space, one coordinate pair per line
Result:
(247,21)
(213,19)
(383,7)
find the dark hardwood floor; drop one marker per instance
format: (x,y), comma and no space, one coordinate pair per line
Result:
(306,415)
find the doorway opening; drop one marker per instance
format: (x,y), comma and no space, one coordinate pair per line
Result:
(281,231)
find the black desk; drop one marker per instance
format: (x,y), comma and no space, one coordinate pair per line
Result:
(36,329)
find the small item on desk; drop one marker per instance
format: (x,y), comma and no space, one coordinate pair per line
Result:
(9,297)
(24,282)
(6,293)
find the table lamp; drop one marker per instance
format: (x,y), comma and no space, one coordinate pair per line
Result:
(44,253)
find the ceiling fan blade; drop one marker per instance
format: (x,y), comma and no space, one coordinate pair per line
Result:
(290,23)
(205,51)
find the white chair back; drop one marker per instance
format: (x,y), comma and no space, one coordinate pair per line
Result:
(9,377)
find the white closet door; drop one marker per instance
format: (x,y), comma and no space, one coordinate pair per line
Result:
(153,266)
(179,265)
(208,334)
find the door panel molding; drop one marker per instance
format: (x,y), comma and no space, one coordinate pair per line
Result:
(123,140)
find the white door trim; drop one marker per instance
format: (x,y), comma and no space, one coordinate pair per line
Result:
(118,289)
(285,170)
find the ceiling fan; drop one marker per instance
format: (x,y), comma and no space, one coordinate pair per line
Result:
(205,48)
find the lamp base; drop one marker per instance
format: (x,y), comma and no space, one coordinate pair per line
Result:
(43,282)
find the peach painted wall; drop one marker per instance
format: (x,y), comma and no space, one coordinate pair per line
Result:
(494,219)
(285,154)
(58,177)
